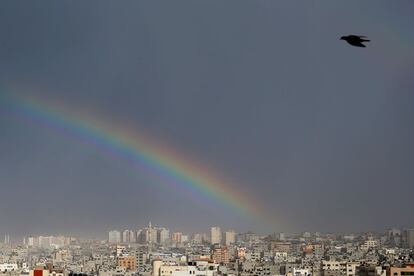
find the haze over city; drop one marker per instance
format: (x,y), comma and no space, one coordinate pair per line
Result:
(251,115)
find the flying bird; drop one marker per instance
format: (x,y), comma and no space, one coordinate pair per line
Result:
(355,40)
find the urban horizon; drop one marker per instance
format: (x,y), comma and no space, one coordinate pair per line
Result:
(206,138)
(104,234)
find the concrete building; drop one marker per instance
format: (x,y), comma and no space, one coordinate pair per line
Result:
(278,246)
(334,267)
(33,241)
(128,236)
(163,235)
(140,257)
(114,236)
(150,234)
(215,235)
(230,237)
(369,243)
(408,269)
(120,250)
(7,267)
(197,238)
(220,254)
(176,237)
(408,238)
(127,262)
(198,268)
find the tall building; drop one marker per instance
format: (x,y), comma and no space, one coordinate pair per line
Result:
(32,241)
(44,242)
(176,237)
(140,236)
(230,237)
(408,238)
(128,236)
(215,235)
(163,235)
(197,238)
(184,238)
(150,234)
(140,257)
(114,236)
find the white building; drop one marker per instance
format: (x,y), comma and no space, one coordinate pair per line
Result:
(281,257)
(44,242)
(334,265)
(163,235)
(230,237)
(120,250)
(128,236)
(199,268)
(369,243)
(215,235)
(184,238)
(33,241)
(301,272)
(8,267)
(114,236)
(197,238)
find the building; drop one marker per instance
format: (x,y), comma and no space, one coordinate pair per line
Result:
(220,255)
(408,238)
(33,241)
(163,235)
(370,270)
(150,234)
(369,243)
(279,246)
(197,238)
(120,250)
(176,237)
(401,271)
(6,239)
(334,267)
(128,236)
(6,267)
(199,268)
(128,262)
(140,257)
(230,237)
(114,236)
(44,242)
(215,235)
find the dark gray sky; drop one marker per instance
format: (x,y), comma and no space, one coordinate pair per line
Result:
(263,92)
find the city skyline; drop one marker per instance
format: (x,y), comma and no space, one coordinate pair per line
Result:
(157,253)
(257,118)
(206,233)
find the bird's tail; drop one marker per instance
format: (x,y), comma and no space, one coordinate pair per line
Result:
(366,40)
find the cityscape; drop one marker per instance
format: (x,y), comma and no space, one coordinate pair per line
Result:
(207,138)
(155,251)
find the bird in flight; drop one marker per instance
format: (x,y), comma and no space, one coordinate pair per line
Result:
(355,40)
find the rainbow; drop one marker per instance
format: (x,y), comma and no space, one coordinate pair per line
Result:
(141,151)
